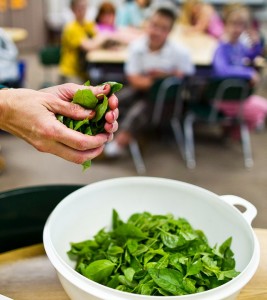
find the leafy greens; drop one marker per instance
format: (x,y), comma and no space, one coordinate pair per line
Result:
(88,100)
(154,255)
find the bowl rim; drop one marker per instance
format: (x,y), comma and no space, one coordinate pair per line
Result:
(93,288)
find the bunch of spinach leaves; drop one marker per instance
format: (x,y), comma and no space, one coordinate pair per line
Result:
(154,255)
(88,100)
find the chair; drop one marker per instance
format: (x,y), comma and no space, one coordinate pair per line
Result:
(218,90)
(49,56)
(24,211)
(163,91)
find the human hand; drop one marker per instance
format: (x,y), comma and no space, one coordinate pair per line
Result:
(253,36)
(30,115)
(67,91)
(255,79)
(158,74)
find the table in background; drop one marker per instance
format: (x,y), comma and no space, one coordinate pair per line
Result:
(200,45)
(16,34)
(27,272)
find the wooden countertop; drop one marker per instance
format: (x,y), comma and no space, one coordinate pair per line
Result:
(27,274)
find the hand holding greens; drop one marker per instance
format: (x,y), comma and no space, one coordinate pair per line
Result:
(88,100)
(154,255)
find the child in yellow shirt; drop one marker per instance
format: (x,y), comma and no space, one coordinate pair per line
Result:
(78,37)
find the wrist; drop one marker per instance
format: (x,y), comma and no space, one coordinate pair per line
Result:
(4,104)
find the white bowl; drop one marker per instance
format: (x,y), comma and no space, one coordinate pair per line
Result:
(81,214)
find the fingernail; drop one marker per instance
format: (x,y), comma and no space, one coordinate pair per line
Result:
(90,112)
(103,87)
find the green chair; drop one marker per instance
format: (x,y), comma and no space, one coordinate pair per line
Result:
(24,211)
(165,93)
(218,90)
(49,56)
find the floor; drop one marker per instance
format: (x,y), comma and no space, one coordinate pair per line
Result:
(219,167)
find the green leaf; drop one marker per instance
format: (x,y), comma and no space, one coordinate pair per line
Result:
(116,221)
(170,240)
(87,164)
(99,270)
(154,255)
(85,98)
(123,280)
(189,285)
(227,274)
(114,282)
(132,245)
(194,268)
(115,250)
(101,237)
(140,250)
(100,110)
(129,274)
(225,245)
(79,124)
(60,118)
(127,231)
(114,86)
(147,288)
(168,279)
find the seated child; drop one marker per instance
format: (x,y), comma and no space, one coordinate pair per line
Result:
(78,37)
(201,17)
(151,57)
(105,19)
(9,69)
(233,59)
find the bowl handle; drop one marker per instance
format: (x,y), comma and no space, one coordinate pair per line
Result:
(249,214)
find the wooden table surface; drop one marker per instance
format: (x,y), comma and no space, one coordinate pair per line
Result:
(200,45)
(16,34)
(27,274)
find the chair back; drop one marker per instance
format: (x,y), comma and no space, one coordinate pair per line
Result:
(24,211)
(49,55)
(227,89)
(165,92)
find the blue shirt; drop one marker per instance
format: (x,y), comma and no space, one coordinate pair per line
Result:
(130,14)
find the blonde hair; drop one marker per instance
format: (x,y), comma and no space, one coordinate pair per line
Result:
(236,8)
(187,11)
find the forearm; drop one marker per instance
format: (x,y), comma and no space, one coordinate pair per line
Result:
(140,82)
(94,43)
(234,71)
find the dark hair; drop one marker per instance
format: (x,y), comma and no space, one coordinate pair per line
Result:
(105,7)
(166,12)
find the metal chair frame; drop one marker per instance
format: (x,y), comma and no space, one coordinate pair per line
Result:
(157,117)
(191,118)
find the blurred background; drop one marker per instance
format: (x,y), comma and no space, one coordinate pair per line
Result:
(36,26)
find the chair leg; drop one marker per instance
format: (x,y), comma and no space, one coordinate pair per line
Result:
(246,145)
(189,142)
(178,134)
(137,157)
